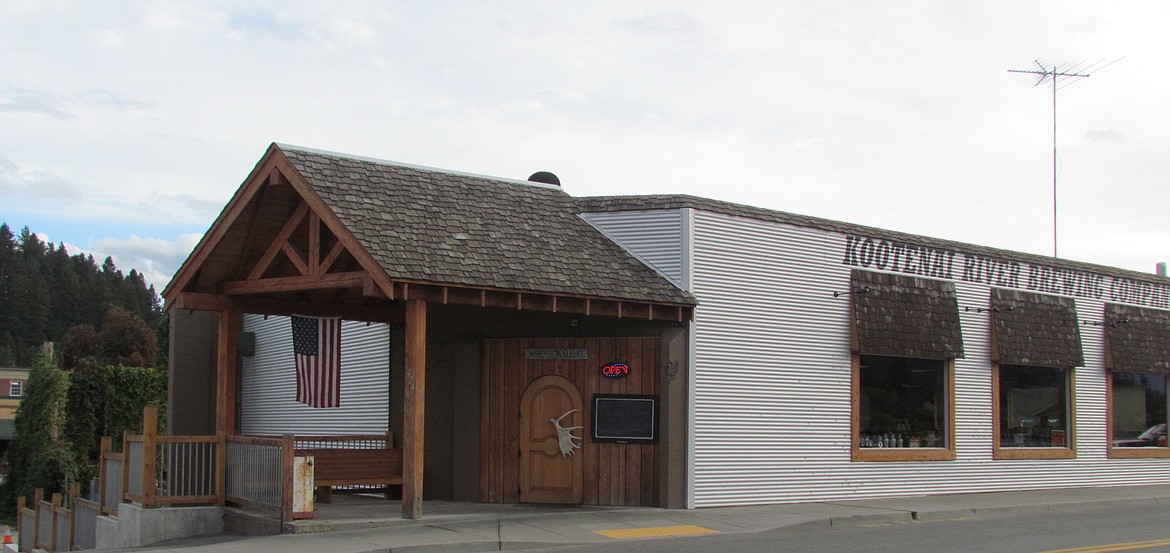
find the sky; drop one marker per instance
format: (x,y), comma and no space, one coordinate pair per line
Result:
(125,127)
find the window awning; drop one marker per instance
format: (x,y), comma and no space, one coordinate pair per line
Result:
(1035,330)
(905,316)
(1137,339)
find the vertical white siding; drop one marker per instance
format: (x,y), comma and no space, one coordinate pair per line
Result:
(656,237)
(268,388)
(772,383)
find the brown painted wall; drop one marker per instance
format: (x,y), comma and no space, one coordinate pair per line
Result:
(614,474)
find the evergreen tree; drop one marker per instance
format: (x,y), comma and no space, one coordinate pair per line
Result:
(8,318)
(39,456)
(44,292)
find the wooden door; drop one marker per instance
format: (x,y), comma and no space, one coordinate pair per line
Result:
(547,474)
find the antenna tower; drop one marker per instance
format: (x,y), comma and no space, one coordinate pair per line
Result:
(1055,75)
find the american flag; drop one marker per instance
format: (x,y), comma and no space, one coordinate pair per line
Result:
(317,348)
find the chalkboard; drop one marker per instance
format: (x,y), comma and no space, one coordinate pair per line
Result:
(625,418)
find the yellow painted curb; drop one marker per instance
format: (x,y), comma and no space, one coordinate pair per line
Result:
(656,531)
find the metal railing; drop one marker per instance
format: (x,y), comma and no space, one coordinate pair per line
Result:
(188,469)
(46,537)
(110,488)
(85,515)
(62,528)
(134,457)
(26,522)
(255,470)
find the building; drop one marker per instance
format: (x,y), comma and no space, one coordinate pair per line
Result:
(12,384)
(712,353)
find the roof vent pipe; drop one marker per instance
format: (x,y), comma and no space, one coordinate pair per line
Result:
(1161,269)
(545,177)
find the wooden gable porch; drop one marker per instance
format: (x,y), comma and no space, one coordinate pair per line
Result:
(279,248)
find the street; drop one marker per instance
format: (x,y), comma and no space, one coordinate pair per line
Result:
(1118,528)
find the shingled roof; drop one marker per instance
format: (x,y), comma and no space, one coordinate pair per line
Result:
(441,227)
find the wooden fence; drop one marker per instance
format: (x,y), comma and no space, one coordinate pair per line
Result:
(244,471)
(157,471)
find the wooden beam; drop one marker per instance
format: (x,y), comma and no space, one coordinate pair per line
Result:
(414,408)
(295,283)
(278,242)
(266,306)
(275,178)
(370,289)
(338,249)
(314,244)
(295,257)
(335,226)
(225,372)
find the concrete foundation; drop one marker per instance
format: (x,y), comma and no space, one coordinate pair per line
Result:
(136,527)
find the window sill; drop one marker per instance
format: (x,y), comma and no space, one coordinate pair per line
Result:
(1138,452)
(1035,453)
(903,454)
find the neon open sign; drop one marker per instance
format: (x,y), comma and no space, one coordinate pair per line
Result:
(615,370)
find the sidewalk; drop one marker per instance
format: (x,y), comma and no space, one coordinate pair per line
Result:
(537,526)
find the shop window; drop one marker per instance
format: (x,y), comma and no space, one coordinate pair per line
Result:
(1138,411)
(1034,412)
(15,388)
(1138,359)
(1036,346)
(906,336)
(903,408)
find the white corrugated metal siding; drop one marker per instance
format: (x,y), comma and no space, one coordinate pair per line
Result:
(268,389)
(656,237)
(772,383)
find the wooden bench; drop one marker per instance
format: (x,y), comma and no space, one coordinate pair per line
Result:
(351,461)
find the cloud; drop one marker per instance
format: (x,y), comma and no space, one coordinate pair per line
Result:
(106,99)
(65,107)
(15,182)
(673,22)
(33,101)
(110,39)
(1106,135)
(156,259)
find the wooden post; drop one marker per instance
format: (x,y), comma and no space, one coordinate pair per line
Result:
(74,492)
(414,408)
(221,469)
(225,372)
(107,448)
(389,494)
(287,452)
(38,496)
(54,502)
(125,467)
(20,504)
(149,454)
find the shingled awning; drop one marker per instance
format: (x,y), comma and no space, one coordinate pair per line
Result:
(1137,340)
(905,316)
(1035,329)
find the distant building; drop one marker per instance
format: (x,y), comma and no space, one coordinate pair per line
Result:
(13,382)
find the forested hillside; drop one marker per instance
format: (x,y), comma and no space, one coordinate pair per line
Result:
(44,292)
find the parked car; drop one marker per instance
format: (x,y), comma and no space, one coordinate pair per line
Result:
(1154,436)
